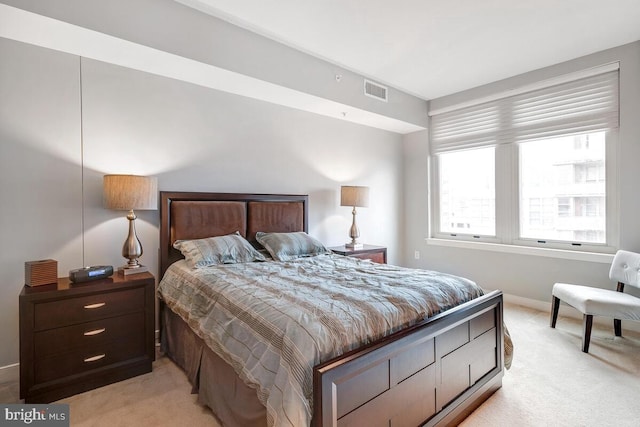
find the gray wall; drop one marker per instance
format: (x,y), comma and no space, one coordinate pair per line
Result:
(525,275)
(172,27)
(191,138)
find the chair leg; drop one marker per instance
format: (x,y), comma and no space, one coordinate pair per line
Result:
(586,337)
(617,327)
(555,307)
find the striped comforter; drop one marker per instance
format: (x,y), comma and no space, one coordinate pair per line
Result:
(273,321)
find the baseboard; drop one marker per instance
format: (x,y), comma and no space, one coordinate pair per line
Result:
(10,373)
(567,311)
(533,303)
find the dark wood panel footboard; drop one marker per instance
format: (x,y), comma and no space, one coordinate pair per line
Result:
(434,373)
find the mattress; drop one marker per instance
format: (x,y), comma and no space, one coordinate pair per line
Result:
(273,321)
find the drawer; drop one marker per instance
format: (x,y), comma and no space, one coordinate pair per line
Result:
(86,335)
(87,359)
(375,257)
(70,311)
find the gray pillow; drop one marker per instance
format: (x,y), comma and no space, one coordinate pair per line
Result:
(229,249)
(288,246)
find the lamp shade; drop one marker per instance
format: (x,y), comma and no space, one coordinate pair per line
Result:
(354,196)
(128,192)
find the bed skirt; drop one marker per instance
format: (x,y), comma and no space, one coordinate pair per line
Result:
(218,386)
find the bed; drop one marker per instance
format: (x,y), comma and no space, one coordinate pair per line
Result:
(428,371)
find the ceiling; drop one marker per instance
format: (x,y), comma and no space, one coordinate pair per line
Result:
(432,48)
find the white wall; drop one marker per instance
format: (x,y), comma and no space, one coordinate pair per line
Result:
(170,26)
(525,275)
(40,173)
(191,138)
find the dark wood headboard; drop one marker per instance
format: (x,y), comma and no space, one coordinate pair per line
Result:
(189,215)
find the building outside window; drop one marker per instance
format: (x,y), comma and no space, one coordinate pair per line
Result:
(575,207)
(467,192)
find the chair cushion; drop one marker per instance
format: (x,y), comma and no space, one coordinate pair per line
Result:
(599,302)
(625,268)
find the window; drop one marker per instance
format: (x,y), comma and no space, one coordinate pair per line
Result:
(467,192)
(564,206)
(535,169)
(543,165)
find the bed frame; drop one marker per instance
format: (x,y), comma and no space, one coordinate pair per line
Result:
(434,373)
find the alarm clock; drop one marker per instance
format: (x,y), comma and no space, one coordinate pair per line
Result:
(87,274)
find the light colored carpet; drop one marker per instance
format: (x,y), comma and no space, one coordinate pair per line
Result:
(160,398)
(551,383)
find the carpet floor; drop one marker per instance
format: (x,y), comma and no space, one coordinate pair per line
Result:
(551,383)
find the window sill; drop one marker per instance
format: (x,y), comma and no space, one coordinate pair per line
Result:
(524,250)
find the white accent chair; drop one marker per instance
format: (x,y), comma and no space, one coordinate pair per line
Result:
(591,301)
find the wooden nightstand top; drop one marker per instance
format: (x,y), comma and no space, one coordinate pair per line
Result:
(343,250)
(372,252)
(64,284)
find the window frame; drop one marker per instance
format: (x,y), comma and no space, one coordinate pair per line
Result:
(611,208)
(471,236)
(507,209)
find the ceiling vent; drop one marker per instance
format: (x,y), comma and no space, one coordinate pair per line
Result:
(374,90)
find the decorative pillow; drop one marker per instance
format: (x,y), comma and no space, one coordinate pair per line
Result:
(229,249)
(288,246)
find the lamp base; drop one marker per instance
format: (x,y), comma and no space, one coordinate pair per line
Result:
(354,245)
(127,271)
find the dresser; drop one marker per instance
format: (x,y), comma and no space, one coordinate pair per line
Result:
(76,337)
(374,253)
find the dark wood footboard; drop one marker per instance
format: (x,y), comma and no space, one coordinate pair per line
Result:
(433,373)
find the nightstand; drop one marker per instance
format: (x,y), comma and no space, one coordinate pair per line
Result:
(374,253)
(77,337)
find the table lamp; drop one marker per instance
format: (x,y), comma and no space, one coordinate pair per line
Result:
(129,192)
(356,197)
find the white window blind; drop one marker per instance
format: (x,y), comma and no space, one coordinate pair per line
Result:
(584,105)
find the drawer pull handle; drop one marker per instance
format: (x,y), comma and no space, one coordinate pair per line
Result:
(95,332)
(92,306)
(94,358)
